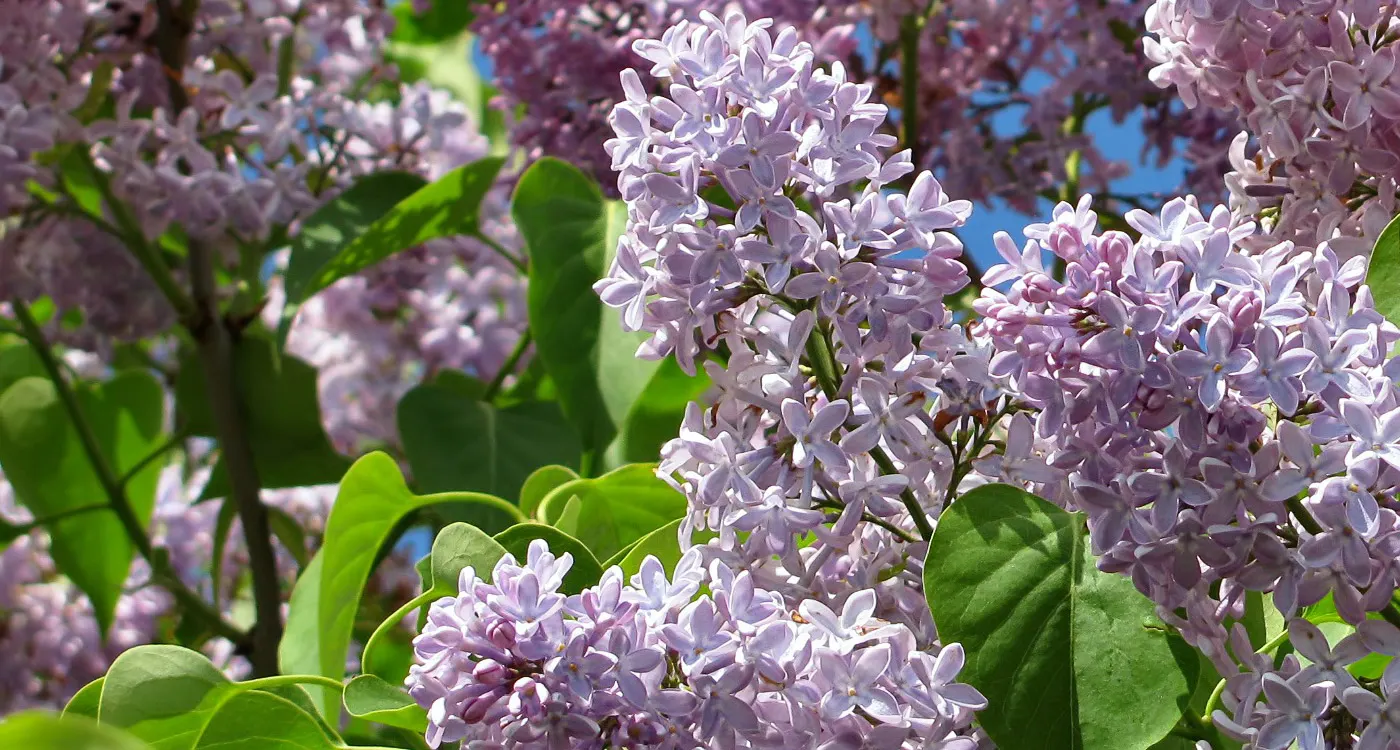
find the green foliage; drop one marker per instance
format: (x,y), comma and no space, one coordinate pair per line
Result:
(586,570)
(174,699)
(281,415)
(373,499)
(571,234)
(329,231)
(18,361)
(381,214)
(1067,656)
(614,510)
(664,544)
(370,698)
(540,483)
(1383,274)
(655,416)
(44,459)
(36,730)
(456,442)
(441,21)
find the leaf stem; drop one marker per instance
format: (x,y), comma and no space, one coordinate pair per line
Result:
(116,495)
(500,250)
(263,683)
(391,621)
(175,439)
(494,387)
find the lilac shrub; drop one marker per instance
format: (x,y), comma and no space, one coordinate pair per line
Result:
(765,657)
(1226,418)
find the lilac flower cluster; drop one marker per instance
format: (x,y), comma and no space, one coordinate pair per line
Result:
(511,662)
(994,84)
(1317,86)
(557,61)
(256,147)
(820,460)
(1227,419)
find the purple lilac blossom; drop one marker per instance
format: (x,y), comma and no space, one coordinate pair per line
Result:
(1317,88)
(1244,443)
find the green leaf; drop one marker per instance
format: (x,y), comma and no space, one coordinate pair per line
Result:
(38,730)
(663,544)
(1383,274)
(617,508)
(281,413)
(256,720)
(586,570)
(362,227)
(454,442)
(373,498)
(370,698)
(540,483)
(571,234)
(656,415)
(457,546)
(85,702)
(332,228)
(444,20)
(165,695)
(18,361)
(1067,656)
(44,460)
(175,699)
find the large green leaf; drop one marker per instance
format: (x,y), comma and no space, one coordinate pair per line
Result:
(656,415)
(455,442)
(256,720)
(85,702)
(1383,275)
(281,413)
(18,361)
(1067,656)
(664,544)
(45,462)
(373,499)
(571,234)
(586,570)
(382,214)
(333,227)
(174,699)
(448,207)
(370,698)
(39,730)
(613,510)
